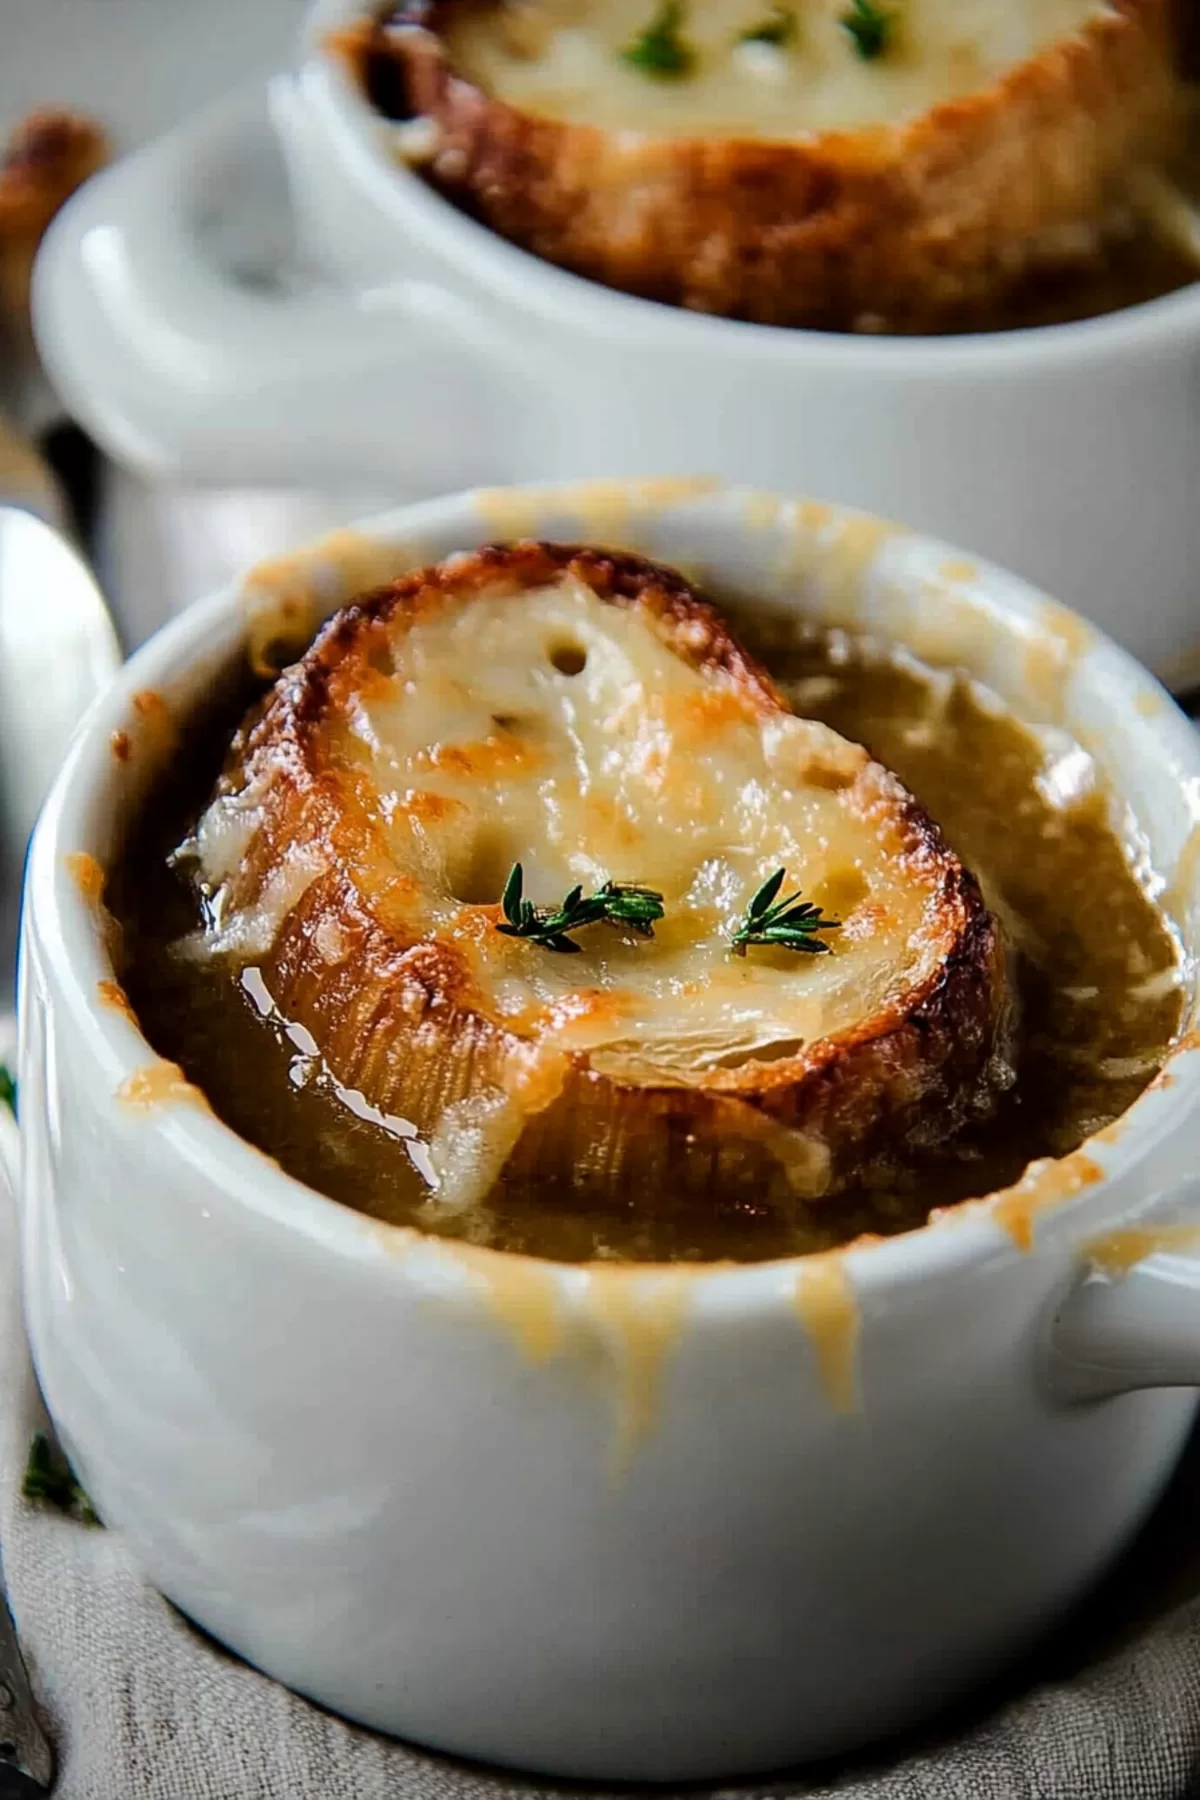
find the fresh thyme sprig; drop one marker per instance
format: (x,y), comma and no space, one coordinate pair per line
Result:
(791,923)
(779,28)
(50,1478)
(616,903)
(660,50)
(870,26)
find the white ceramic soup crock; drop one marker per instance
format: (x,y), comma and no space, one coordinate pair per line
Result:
(431,351)
(610,1521)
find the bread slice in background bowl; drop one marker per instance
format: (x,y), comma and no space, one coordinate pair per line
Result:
(48,156)
(800,181)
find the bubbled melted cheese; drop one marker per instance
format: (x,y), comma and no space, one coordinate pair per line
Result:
(490,745)
(562,59)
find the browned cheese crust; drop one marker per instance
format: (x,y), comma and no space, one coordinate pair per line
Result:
(922,226)
(404,1018)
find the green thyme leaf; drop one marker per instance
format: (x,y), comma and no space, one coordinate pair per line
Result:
(761,903)
(8,1089)
(660,50)
(50,1480)
(792,924)
(510,900)
(616,903)
(870,26)
(637,907)
(779,27)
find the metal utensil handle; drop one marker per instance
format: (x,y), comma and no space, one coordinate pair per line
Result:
(26,1760)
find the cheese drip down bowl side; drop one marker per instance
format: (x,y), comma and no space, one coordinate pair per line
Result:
(603,1521)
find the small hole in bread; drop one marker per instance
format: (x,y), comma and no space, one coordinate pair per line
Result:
(568,658)
(830,776)
(480,882)
(840,892)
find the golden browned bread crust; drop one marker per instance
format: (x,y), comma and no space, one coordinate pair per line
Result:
(923,226)
(410,1018)
(50,154)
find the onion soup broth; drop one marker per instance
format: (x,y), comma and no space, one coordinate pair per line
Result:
(1093,966)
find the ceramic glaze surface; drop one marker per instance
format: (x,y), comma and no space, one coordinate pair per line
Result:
(644,1524)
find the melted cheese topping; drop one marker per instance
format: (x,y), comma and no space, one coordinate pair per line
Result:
(561,732)
(562,59)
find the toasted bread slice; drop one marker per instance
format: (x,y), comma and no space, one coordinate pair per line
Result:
(806,180)
(587,715)
(48,156)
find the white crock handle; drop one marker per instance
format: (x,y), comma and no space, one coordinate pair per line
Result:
(181,370)
(1133,1321)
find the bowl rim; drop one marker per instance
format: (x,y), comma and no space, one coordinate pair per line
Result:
(533,285)
(209,633)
